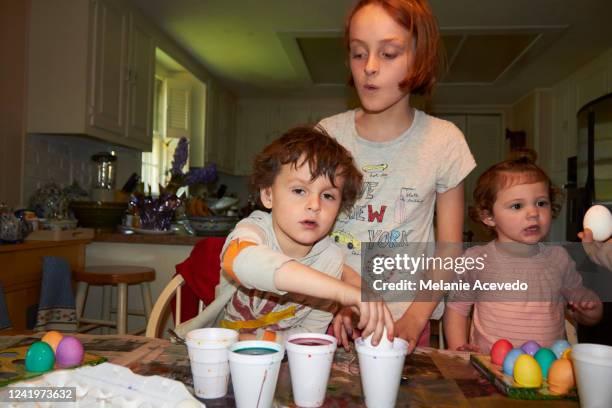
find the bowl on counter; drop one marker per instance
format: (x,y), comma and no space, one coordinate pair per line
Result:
(215,225)
(105,216)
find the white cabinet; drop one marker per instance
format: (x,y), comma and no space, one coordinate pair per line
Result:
(220,137)
(91,71)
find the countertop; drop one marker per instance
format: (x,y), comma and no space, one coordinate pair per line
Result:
(173,239)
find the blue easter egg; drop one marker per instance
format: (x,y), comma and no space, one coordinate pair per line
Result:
(559,347)
(508,366)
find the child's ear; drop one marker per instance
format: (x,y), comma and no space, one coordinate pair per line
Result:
(265,195)
(487,218)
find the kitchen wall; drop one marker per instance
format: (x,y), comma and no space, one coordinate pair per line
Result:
(64,159)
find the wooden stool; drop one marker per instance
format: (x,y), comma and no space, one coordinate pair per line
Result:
(121,276)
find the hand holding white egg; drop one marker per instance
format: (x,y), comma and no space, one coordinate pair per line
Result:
(599,220)
(384,343)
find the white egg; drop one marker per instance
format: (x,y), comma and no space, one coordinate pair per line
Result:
(384,343)
(599,220)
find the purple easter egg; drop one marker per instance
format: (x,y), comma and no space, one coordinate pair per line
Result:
(69,352)
(530,347)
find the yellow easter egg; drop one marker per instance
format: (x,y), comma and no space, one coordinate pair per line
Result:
(561,376)
(527,372)
(52,338)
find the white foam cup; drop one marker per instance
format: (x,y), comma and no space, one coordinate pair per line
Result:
(593,371)
(254,376)
(381,372)
(310,360)
(208,354)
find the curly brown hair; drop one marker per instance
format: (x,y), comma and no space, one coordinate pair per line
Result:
(312,145)
(520,168)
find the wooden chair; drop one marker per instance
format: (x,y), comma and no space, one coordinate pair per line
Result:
(160,309)
(113,275)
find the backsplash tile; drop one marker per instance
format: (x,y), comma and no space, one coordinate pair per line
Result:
(65,159)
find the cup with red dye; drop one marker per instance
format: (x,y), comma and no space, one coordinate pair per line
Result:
(310,360)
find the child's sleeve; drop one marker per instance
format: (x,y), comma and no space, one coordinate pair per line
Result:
(462,301)
(456,160)
(249,261)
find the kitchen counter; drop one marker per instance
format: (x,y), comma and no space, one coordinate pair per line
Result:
(173,239)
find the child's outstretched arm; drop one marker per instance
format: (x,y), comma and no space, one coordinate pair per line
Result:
(298,278)
(252,264)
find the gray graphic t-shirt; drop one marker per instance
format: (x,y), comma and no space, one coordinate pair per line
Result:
(401,179)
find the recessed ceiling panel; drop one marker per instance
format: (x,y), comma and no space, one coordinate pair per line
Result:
(325,58)
(483,58)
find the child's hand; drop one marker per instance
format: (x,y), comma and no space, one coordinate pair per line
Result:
(585,307)
(599,252)
(343,327)
(373,318)
(586,312)
(469,347)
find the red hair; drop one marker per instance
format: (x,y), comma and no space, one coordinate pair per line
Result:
(417,18)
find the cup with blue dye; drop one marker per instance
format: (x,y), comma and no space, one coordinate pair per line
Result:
(208,355)
(254,365)
(310,360)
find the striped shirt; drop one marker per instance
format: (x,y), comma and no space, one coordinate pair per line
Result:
(518,316)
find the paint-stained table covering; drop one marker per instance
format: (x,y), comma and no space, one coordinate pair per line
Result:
(431,378)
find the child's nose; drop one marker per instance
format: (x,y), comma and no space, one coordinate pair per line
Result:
(532,212)
(314,203)
(371,66)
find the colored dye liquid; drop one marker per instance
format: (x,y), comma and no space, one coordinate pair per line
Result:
(306,341)
(256,351)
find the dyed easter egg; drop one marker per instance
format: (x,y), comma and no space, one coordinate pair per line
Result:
(530,347)
(499,350)
(508,365)
(561,376)
(69,352)
(39,357)
(567,354)
(545,357)
(52,338)
(383,344)
(559,347)
(527,372)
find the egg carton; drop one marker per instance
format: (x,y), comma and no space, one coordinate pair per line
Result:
(109,385)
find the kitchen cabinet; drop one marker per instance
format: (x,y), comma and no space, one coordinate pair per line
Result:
(220,137)
(261,120)
(21,274)
(91,71)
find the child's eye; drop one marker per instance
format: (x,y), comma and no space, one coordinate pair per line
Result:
(389,55)
(542,203)
(328,196)
(298,191)
(358,55)
(516,206)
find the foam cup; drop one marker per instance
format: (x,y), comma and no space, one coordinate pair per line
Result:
(310,360)
(593,371)
(208,355)
(254,365)
(381,372)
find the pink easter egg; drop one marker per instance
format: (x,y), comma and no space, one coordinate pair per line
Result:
(69,352)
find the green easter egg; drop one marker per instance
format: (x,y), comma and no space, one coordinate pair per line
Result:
(39,357)
(545,357)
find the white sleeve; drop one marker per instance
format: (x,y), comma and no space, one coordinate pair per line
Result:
(255,265)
